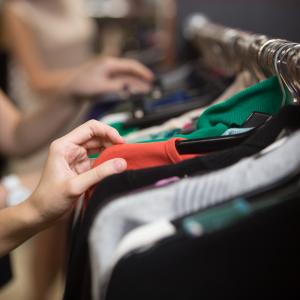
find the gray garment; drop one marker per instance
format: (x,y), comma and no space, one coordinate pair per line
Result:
(178,199)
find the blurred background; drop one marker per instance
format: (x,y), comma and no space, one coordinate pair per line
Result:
(40,38)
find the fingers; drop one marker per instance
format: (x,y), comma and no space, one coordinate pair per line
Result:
(114,85)
(132,67)
(84,181)
(135,85)
(132,84)
(93,133)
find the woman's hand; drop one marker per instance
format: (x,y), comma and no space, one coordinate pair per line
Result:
(111,75)
(66,176)
(68,173)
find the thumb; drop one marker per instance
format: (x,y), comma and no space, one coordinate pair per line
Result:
(84,181)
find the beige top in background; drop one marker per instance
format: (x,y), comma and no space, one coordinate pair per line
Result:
(64,40)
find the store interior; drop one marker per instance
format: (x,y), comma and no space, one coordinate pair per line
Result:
(205,96)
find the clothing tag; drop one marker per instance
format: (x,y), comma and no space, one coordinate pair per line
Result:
(256,119)
(166,181)
(216,218)
(188,129)
(235,131)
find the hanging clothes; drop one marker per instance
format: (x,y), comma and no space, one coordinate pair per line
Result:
(188,195)
(133,180)
(140,156)
(255,257)
(263,97)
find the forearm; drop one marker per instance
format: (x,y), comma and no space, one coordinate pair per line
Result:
(35,130)
(17,224)
(51,82)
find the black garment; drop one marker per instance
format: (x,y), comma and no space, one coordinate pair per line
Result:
(256,258)
(3,70)
(5,270)
(208,86)
(116,185)
(167,113)
(2,165)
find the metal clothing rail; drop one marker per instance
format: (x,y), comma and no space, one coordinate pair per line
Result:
(233,50)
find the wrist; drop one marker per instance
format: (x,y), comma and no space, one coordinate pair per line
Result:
(70,85)
(31,216)
(17,224)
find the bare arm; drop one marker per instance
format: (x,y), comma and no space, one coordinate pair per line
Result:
(17,224)
(20,135)
(168,23)
(66,176)
(97,76)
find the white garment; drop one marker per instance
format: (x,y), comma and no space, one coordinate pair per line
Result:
(129,212)
(141,239)
(16,191)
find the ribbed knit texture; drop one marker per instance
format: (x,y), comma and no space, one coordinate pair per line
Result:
(264,97)
(189,195)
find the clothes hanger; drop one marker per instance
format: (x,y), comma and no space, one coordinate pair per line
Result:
(273,51)
(293,65)
(288,80)
(278,58)
(215,143)
(288,119)
(205,145)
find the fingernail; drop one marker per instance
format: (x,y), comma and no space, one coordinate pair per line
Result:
(120,165)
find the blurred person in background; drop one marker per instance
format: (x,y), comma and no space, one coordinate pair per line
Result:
(50,42)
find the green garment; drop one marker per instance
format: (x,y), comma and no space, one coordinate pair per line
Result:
(121,130)
(217,218)
(264,97)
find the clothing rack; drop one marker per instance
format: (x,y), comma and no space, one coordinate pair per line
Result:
(233,50)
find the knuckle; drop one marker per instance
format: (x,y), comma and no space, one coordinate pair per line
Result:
(56,146)
(93,122)
(94,125)
(110,61)
(98,172)
(102,171)
(112,131)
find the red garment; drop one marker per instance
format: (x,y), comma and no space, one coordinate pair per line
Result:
(144,155)
(139,156)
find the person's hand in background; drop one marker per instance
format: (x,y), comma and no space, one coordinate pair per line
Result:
(110,75)
(66,176)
